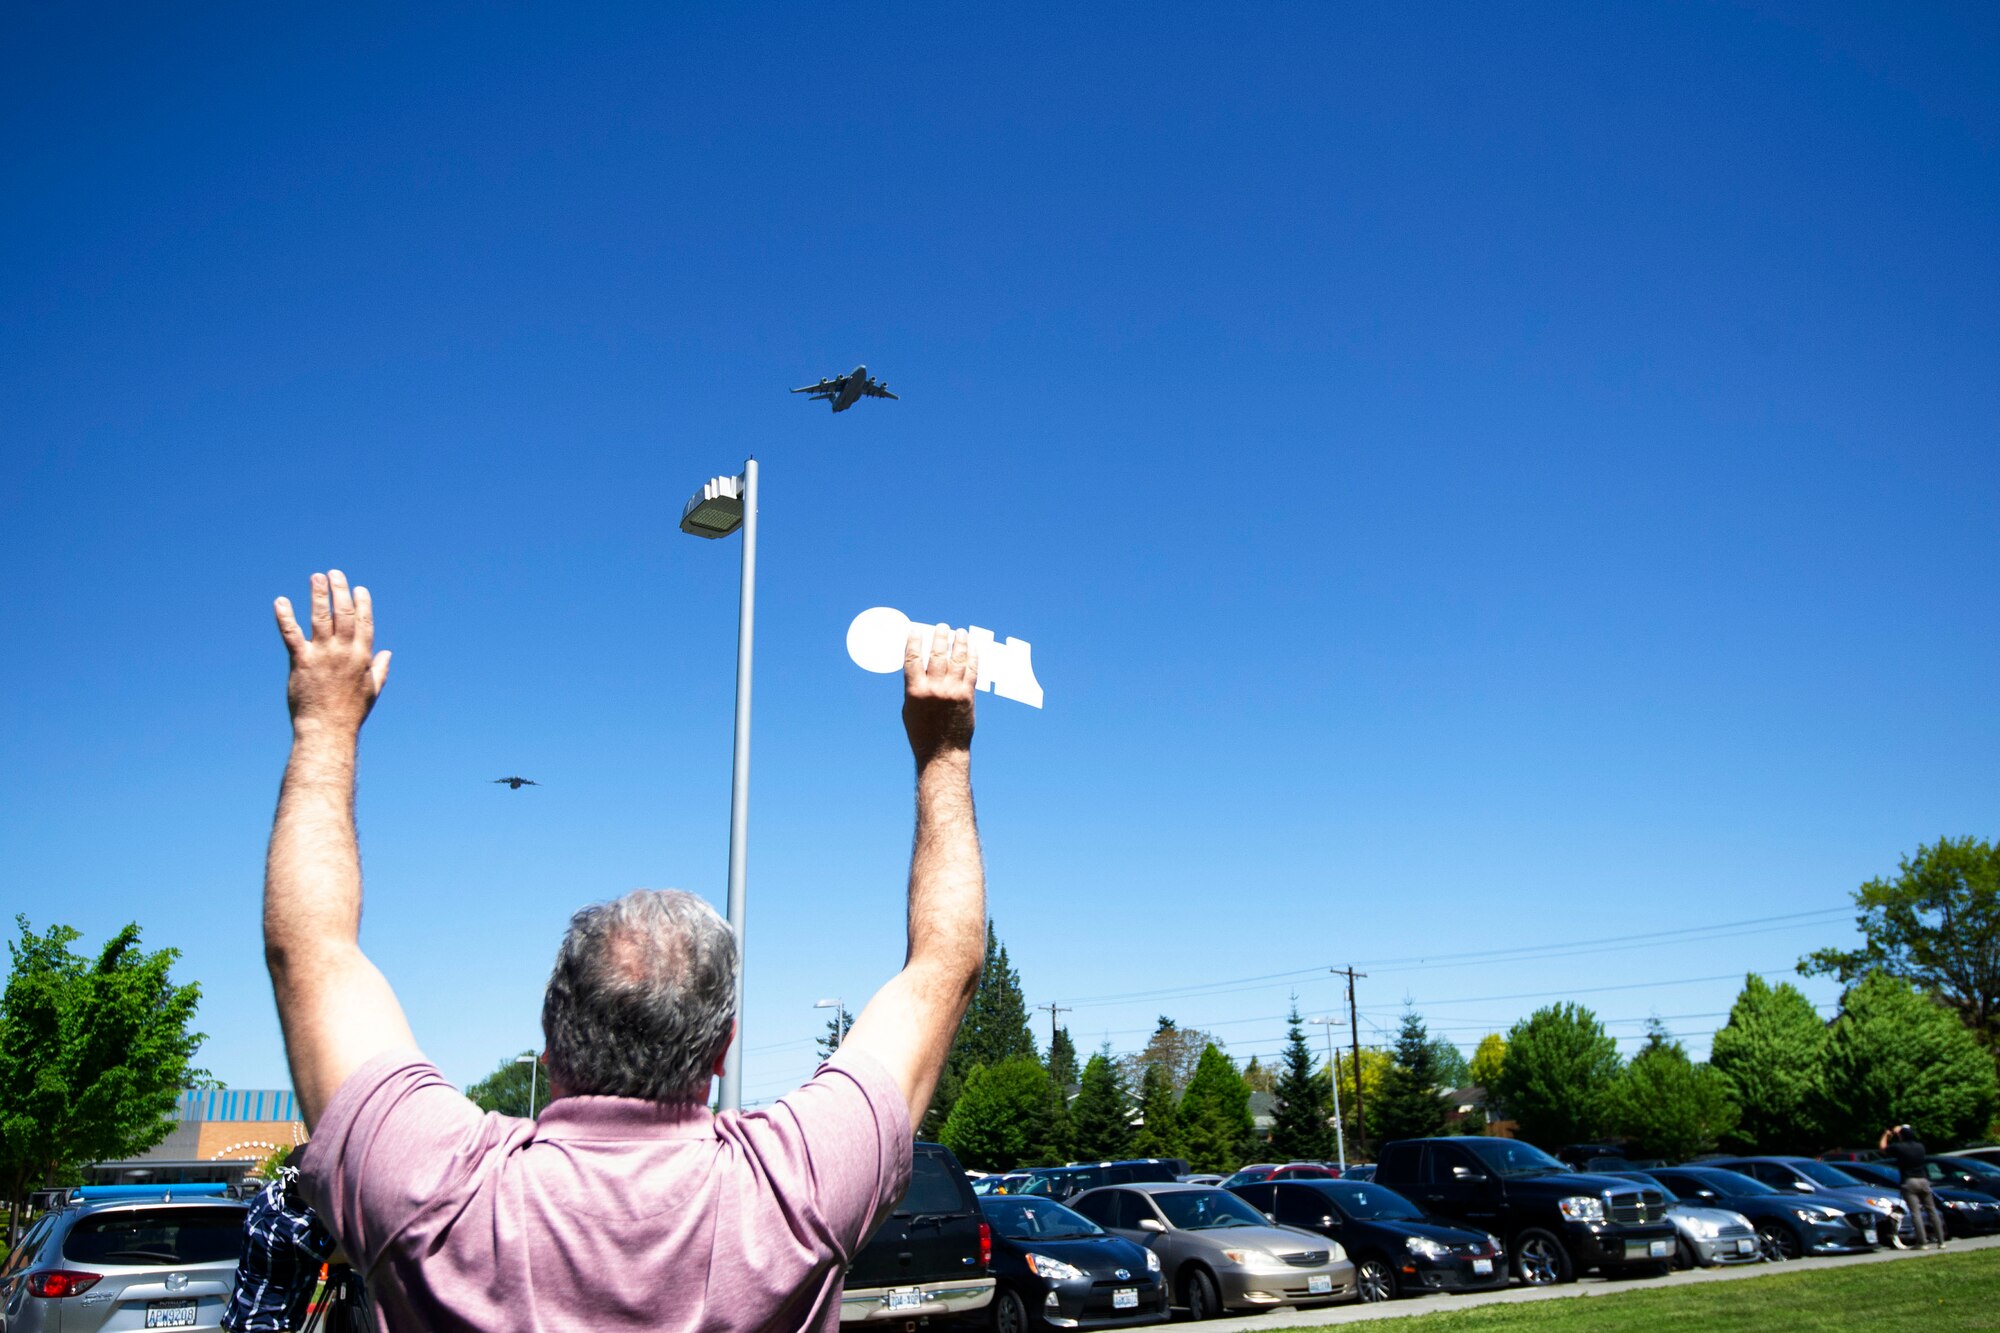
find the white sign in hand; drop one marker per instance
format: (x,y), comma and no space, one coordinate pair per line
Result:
(876,639)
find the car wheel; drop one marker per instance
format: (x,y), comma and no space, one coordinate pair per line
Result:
(1540,1260)
(1779,1242)
(1203,1300)
(1010,1314)
(1684,1255)
(1375,1280)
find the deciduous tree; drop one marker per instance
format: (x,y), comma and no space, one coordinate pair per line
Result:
(1449,1063)
(94,1053)
(1769,1053)
(1558,1074)
(1487,1060)
(1175,1049)
(1002,1118)
(507,1088)
(1894,1056)
(1937,926)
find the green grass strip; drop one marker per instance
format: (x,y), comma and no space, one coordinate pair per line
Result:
(1954,1291)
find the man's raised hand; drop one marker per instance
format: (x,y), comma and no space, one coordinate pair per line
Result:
(938,685)
(336,674)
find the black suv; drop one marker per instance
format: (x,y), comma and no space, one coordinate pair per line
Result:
(931,1257)
(1554,1221)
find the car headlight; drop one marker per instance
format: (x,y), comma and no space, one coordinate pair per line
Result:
(1152,1262)
(1956,1203)
(1427,1247)
(1257,1261)
(1582,1208)
(1055,1270)
(1494,1241)
(1882,1202)
(1706,1229)
(1816,1214)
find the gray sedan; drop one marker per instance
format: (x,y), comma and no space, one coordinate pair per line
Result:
(1218,1252)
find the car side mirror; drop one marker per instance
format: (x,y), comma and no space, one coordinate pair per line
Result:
(1327,1220)
(1467,1174)
(1802,1187)
(1153,1224)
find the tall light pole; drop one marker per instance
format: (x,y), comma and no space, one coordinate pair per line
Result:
(718,509)
(1333,1077)
(839,1019)
(534,1068)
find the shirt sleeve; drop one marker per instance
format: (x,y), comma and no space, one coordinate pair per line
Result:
(395,1142)
(844,1139)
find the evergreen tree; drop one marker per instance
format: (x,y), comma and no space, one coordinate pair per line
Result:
(836,1032)
(1410,1106)
(1002,1117)
(1769,1053)
(1062,1060)
(1669,1105)
(1159,1132)
(1487,1059)
(1215,1116)
(1558,1075)
(1894,1056)
(1101,1116)
(1259,1078)
(994,1030)
(1299,1120)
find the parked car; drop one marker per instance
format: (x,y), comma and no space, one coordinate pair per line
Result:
(1007,1182)
(1813,1178)
(1065,1182)
(1555,1222)
(1966,1173)
(1056,1267)
(1365,1171)
(930,1255)
(1218,1252)
(1965,1212)
(1200,1178)
(1839,1155)
(1281,1171)
(1787,1226)
(1711,1235)
(1395,1249)
(1990,1156)
(126,1257)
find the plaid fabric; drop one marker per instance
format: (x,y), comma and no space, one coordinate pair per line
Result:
(283,1248)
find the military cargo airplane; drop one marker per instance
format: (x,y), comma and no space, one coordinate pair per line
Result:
(844,391)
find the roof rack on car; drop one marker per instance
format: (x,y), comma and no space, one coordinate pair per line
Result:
(164,1193)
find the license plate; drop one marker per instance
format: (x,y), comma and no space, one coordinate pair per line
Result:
(1745,1245)
(903,1298)
(1482,1266)
(1125,1298)
(170,1314)
(1319,1284)
(1660,1249)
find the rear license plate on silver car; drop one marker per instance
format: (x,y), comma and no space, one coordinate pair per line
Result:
(903,1298)
(170,1314)
(1125,1298)
(1319,1284)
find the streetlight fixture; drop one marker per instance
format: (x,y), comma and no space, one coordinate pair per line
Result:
(719,508)
(1333,1077)
(534,1070)
(839,1019)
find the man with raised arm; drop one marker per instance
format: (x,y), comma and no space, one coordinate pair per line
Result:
(627,1204)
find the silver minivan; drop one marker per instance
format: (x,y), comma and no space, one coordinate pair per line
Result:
(150,1259)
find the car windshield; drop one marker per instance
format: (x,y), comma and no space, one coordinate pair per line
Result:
(1507,1158)
(1035,1219)
(1207,1210)
(1830,1176)
(1973,1166)
(1641,1178)
(156,1236)
(1371,1203)
(1730,1182)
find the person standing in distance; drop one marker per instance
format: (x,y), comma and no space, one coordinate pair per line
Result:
(627,1204)
(1913,1167)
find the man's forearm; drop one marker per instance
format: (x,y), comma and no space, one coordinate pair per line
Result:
(947,920)
(312,874)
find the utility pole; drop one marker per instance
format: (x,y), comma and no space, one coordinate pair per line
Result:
(1054,1009)
(1354,1032)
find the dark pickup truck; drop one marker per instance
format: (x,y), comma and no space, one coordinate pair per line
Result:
(930,1258)
(1555,1222)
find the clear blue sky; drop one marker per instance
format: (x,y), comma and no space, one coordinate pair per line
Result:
(1474,479)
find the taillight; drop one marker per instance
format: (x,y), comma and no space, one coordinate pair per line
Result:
(985,1246)
(57,1283)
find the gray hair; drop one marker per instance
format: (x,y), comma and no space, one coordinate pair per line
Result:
(642,999)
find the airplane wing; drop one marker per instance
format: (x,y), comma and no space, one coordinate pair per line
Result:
(824,387)
(874,390)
